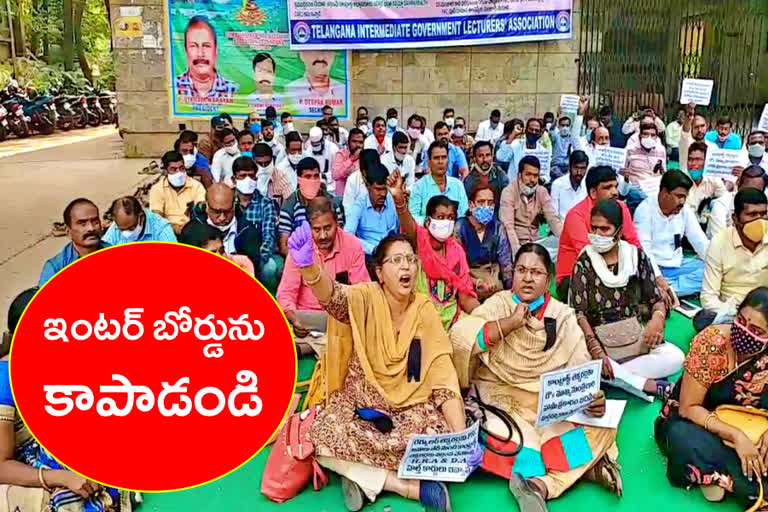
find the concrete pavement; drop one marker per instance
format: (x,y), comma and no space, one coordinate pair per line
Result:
(38,183)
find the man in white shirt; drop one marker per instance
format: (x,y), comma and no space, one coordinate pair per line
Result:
(323,151)
(632,125)
(221,165)
(399,158)
(753,152)
(570,189)
(429,135)
(490,129)
(268,138)
(378,140)
(294,152)
(662,222)
(417,142)
(721,214)
(518,148)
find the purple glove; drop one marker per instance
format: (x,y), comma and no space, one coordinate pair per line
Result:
(476,459)
(300,246)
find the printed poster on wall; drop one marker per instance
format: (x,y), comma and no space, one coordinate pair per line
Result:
(234,56)
(376,24)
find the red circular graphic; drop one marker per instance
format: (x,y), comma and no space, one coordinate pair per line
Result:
(152,448)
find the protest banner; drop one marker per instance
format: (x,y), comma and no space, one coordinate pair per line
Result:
(763,124)
(565,392)
(612,157)
(336,24)
(545,157)
(443,457)
(569,103)
(720,163)
(245,47)
(696,91)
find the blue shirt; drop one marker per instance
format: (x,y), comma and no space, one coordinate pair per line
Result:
(456,160)
(201,162)
(426,188)
(368,224)
(733,141)
(156,229)
(66,257)
(561,148)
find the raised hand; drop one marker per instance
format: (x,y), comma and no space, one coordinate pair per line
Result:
(583,105)
(301,247)
(396,186)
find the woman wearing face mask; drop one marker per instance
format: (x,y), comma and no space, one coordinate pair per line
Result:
(614,293)
(444,272)
(485,241)
(502,349)
(725,366)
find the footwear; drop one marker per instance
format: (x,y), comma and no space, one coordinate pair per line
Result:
(528,500)
(608,474)
(434,496)
(663,389)
(713,493)
(354,499)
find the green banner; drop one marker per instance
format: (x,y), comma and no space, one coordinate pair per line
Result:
(233,56)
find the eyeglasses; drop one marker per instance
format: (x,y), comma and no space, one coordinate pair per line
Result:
(535,272)
(398,259)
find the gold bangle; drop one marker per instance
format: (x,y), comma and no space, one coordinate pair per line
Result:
(663,314)
(315,280)
(42,480)
(501,333)
(709,417)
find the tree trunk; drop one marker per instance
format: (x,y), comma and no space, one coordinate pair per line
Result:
(68,39)
(109,19)
(46,44)
(34,44)
(78,21)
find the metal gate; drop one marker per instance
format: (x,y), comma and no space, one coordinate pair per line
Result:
(637,53)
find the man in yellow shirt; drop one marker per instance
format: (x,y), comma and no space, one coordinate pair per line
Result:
(174,195)
(737,260)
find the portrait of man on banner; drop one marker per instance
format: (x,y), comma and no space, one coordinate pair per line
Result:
(316,87)
(202,80)
(264,73)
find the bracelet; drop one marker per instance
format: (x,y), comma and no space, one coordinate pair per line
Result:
(42,480)
(663,314)
(709,417)
(315,280)
(501,333)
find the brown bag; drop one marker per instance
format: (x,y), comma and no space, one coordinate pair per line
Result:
(490,274)
(622,340)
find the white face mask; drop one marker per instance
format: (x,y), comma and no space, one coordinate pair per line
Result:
(131,235)
(458,132)
(226,227)
(189,161)
(565,131)
(528,191)
(548,126)
(288,128)
(177,179)
(441,229)
(295,159)
(364,128)
(756,150)
(399,157)
(601,243)
(392,122)
(246,185)
(648,142)
(232,150)
(450,122)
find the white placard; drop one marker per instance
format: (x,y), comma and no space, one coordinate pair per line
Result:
(695,90)
(545,157)
(149,41)
(763,125)
(614,409)
(566,392)
(612,157)
(443,457)
(131,10)
(569,103)
(720,162)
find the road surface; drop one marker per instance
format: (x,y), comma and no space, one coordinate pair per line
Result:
(38,177)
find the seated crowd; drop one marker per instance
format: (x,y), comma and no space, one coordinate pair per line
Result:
(492,265)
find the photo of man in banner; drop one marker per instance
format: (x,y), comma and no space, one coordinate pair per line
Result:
(234,57)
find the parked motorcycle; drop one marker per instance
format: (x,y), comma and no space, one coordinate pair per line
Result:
(41,111)
(108,101)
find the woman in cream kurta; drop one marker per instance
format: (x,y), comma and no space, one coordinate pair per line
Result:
(506,372)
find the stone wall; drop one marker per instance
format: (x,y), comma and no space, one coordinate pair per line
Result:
(519,79)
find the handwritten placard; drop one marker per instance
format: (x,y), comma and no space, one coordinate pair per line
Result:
(695,90)
(763,125)
(443,457)
(569,103)
(612,157)
(545,157)
(565,392)
(720,162)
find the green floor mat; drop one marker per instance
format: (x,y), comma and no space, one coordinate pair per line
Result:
(645,484)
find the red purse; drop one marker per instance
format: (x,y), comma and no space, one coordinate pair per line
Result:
(292,462)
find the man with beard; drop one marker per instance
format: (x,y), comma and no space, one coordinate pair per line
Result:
(316,88)
(515,151)
(662,223)
(457,160)
(264,70)
(485,172)
(694,130)
(201,80)
(569,190)
(84,230)
(268,138)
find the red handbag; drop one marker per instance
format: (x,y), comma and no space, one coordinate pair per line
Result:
(292,462)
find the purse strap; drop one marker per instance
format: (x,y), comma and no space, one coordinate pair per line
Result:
(505,418)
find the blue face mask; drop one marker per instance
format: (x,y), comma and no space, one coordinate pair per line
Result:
(249,154)
(696,174)
(483,214)
(532,306)
(256,128)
